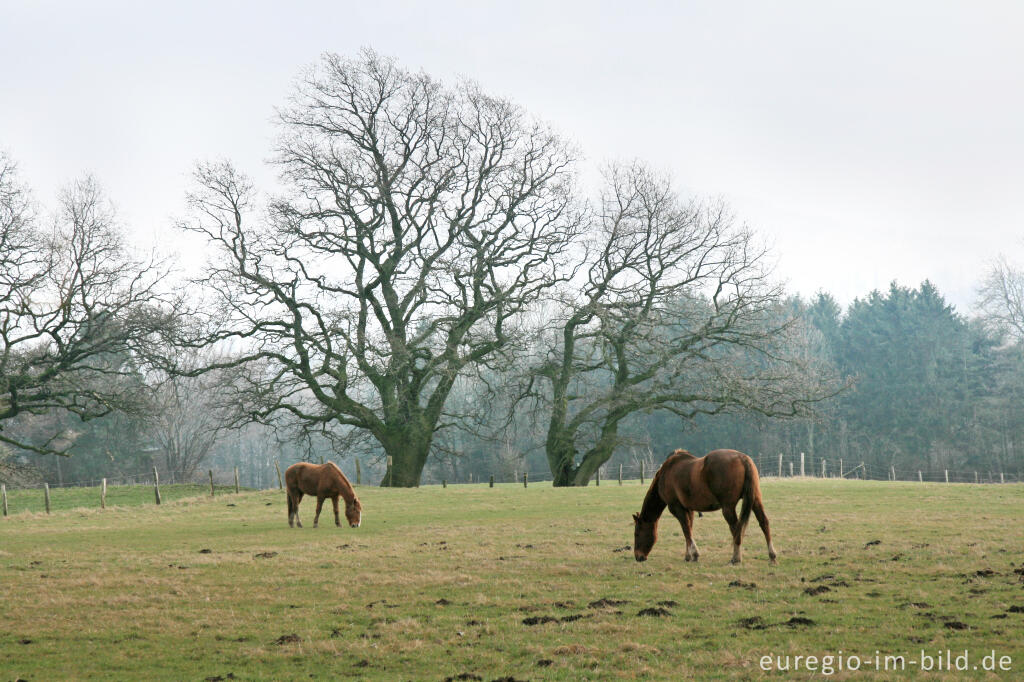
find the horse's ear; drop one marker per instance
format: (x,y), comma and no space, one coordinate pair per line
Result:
(636,518)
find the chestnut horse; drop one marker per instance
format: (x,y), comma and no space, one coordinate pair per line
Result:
(322,480)
(686,484)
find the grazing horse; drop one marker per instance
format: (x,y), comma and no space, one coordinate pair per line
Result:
(322,480)
(686,484)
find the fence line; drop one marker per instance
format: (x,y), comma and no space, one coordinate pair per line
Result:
(769,466)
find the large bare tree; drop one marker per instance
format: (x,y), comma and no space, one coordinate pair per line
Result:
(420,221)
(1001,299)
(674,310)
(190,412)
(76,309)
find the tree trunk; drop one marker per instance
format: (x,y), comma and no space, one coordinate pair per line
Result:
(408,450)
(561,457)
(590,464)
(600,453)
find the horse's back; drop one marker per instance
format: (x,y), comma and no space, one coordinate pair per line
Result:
(725,472)
(303,477)
(705,483)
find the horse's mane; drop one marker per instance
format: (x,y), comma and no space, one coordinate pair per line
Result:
(346,485)
(653,504)
(682,453)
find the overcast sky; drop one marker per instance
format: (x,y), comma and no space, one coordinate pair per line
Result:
(866,141)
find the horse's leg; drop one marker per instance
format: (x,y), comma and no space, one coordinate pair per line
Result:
(762,520)
(319,506)
(685,517)
(291,509)
(691,549)
(337,518)
(729,512)
(295,499)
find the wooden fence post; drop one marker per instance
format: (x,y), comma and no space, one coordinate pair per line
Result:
(156,485)
(471,477)
(597,480)
(103,494)
(236,479)
(46,495)
(920,478)
(947,475)
(802,464)
(280,483)
(780,465)
(975,476)
(791,470)
(321,459)
(3,494)
(525,477)
(620,473)
(444,482)
(641,472)
(1001,479)
(841,473)
(390,474)
(892,470)
(823,468)
(211,483)
(359,473)
(491,482)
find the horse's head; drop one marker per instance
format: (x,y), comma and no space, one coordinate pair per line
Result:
(644,535)
(354,512)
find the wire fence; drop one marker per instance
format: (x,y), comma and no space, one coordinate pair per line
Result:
(778,466)
(768,466)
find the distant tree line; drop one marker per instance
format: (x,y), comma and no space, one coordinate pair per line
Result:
(430,290)
(932,390)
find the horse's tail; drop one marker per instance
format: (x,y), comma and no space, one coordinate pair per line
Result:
(291,502)
(751,489)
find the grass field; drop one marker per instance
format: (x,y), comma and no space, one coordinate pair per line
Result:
(476,583)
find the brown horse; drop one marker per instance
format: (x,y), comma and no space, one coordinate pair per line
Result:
(686,484)
(322,480)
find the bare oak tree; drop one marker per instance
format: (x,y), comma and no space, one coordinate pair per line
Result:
(674,311)
(76,309)
(1001,300)
(421,220)
(189,413)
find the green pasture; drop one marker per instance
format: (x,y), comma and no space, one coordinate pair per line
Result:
(469,582)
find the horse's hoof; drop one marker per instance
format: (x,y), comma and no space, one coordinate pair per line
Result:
(734,562)
(688,558)
(772,561)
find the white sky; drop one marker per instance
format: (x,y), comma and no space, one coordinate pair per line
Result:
(867,141)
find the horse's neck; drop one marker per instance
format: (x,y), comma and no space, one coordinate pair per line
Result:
(344,487)
(653,504)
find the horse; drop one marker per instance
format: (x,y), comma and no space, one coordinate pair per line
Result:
(322,480)
(686,484)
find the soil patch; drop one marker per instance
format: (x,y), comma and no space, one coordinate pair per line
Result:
(605,602)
